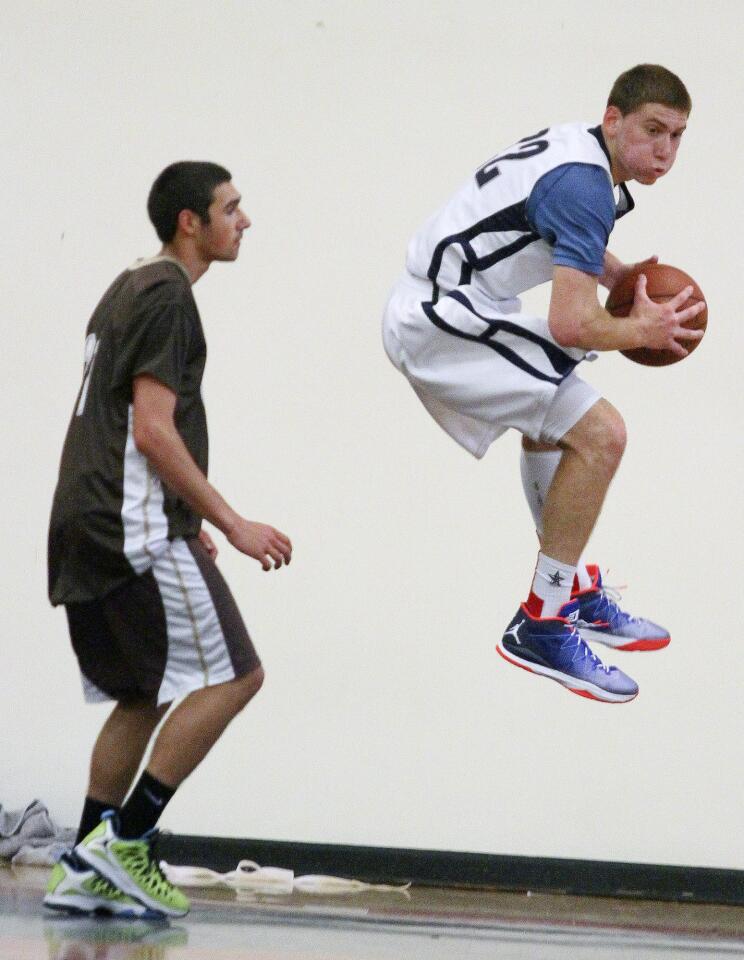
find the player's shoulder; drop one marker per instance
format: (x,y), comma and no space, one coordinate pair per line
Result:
(585,140)
(160,276)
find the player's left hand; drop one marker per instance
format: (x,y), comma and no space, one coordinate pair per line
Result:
(208,543)
(628,267)
(615,269)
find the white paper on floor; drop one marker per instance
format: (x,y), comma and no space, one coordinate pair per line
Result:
(250,876)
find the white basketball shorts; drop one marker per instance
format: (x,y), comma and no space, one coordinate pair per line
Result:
(473,392)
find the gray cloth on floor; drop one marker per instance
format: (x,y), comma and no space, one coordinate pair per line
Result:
(31,836)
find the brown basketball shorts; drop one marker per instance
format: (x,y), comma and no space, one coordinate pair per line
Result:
(173,629)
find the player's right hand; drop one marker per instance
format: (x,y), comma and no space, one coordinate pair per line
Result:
(662,323)
(264,543)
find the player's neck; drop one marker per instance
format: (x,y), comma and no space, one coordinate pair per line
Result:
(187,256)
(617,172)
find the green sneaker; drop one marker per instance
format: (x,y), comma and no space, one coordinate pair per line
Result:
(131,866)
(75,890)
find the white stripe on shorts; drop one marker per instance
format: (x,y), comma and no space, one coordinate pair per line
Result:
(197,652)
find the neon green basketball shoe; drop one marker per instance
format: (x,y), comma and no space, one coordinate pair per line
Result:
(131,866)
(75,890)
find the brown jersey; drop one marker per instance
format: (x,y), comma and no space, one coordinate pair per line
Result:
(112,516)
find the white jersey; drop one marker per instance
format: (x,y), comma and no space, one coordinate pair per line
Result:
(453,323)
(481,238)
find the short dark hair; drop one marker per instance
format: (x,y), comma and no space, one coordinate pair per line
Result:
(648,83)
(186,185)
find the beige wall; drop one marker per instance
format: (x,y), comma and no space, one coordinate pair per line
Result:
(387,718)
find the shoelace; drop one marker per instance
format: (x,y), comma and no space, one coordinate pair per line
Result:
(140,859)
(583,650)
(609,608)
(101,887)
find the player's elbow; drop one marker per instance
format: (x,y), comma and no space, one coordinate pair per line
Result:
(148,436)
(565,330)
(575,327)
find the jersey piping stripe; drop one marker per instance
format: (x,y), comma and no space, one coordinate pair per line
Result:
(507,220)
(506,352)
(627,203)
(560,361)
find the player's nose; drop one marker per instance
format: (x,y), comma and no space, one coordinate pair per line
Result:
(245,220)
(664,148)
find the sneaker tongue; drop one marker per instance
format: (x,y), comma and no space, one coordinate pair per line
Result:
(570,611)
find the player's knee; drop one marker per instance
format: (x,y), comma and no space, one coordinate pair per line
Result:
(599,438)
(616,436)
(610,439)
(247,686)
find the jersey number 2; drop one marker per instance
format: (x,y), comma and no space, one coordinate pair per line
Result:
(91,349)
(529,147)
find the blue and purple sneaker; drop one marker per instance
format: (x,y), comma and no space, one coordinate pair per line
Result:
(600,618)
(552,647)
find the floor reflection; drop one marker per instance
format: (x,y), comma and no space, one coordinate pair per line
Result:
(94,939)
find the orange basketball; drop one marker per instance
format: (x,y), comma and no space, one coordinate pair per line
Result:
(663,283)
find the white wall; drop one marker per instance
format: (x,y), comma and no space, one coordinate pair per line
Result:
(387,718)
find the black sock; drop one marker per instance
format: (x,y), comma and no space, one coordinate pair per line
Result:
(143,808)
(93,810)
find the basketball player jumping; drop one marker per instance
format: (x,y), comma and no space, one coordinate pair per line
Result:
(543,209)
(150,617)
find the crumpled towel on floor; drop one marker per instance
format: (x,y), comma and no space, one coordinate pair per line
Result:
(30,836)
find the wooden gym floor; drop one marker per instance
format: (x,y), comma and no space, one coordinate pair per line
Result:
(429,924)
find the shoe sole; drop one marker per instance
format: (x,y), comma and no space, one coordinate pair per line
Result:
(581,688)
(83,906)
(623,643)
(121,879)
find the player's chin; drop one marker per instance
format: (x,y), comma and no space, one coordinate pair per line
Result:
(651,176)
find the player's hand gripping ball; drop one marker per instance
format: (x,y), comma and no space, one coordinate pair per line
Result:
(663,283)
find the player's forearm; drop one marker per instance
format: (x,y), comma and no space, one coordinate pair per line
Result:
(577,319)
(593,328)
(168,455)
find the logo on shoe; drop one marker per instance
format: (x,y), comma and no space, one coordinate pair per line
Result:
(514,632)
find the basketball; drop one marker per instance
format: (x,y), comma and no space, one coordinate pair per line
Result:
(663,283)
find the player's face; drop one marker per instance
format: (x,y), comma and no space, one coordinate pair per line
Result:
(220,238)
(645,141)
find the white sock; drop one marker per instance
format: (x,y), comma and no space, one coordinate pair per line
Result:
(537,468)
(551,586)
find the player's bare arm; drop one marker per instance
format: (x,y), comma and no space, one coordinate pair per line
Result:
(208,543)
(156,437)
(577,319)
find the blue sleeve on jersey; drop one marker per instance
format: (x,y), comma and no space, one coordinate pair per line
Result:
(572,207)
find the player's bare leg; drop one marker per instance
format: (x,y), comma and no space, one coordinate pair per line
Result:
(196,724)
(542,637)
(119,749)
(601,617)
(120,847)
(592,450)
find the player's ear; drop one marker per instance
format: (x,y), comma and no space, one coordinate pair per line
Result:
(612,119)
(188,222)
